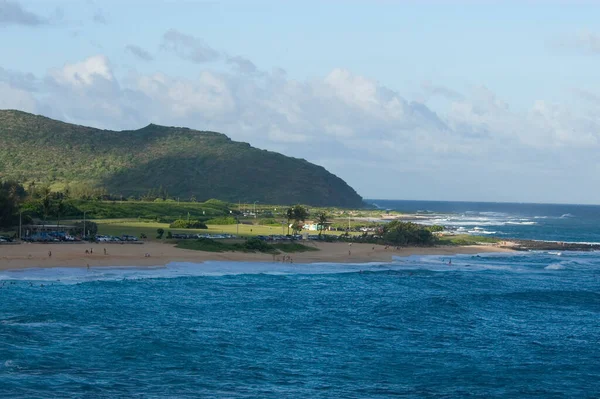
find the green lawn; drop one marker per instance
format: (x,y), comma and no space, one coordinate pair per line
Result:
(466,239)
(118,227)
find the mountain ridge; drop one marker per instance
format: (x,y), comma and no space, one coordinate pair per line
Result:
(184,162)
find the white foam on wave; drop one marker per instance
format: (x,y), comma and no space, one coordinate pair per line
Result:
(475,221)
(555,266)
(71,275)
(481,231)
(515,262)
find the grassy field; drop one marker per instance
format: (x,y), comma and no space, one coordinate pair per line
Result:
(465,239)
(118,227)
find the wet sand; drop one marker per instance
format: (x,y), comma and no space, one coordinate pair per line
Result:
(29,255)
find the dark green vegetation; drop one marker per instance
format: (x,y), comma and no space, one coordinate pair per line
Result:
(298,214)
(38,203)
(158,162)
(407,233)
(187,224)
(12,195)
(251,245)
(465,239)
(156,211)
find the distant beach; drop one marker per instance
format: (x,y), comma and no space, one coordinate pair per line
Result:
(155,254)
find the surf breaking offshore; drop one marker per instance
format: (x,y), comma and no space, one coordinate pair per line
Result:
(538,245)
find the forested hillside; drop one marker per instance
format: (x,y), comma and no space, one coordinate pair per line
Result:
(160,161)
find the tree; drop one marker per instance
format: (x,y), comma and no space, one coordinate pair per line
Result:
(289,213)
(12,195)
(298,214)
(46,202)
(60,210)
(8,209)
(407,233)
(160,233)
(322,219)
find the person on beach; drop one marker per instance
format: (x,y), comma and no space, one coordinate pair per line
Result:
(49,254)
(91,250)
(104,251)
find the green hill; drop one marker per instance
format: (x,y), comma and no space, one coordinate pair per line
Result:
(183,162)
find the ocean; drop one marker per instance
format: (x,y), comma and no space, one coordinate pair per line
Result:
(522,325)
(545,222)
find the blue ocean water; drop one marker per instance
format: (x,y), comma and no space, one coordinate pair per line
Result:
(520,325)
(546,222)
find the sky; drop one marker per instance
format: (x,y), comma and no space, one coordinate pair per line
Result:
(430,100)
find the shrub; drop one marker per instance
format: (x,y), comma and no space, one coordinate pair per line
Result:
(187,224)
(407,233)
(254,244)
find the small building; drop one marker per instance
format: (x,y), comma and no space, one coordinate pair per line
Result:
(31,229)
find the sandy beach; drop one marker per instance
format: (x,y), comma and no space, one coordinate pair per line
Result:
(29,255)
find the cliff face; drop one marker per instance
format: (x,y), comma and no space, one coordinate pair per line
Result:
(183,162)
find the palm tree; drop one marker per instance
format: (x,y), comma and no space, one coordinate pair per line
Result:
(60,209)
(290,215)
(321,221)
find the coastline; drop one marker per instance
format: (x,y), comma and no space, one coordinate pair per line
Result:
(27,255)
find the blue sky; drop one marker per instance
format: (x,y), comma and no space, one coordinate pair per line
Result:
(448,100)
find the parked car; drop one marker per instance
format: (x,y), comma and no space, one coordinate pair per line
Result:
(126,237)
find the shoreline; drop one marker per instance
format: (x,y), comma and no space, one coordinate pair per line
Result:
(32,255)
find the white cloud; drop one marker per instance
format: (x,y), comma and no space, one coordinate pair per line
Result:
(14,98)
(365,132)
(84,73)
(11,13)
(188,47)
(139,52)
(243,65)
